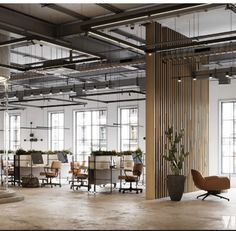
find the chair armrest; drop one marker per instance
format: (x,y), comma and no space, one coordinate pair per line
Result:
(47,168)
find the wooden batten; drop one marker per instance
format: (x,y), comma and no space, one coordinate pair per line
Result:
(168,102)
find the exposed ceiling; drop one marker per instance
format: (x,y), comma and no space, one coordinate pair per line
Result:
(63,46)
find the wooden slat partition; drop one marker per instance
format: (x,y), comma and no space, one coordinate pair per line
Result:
(168,102)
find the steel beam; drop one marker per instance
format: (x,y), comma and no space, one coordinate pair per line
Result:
(110,8)
(109,93)
(140,14)
(15,41)
(64,105)
(66,11)
(25,24)
(22,24)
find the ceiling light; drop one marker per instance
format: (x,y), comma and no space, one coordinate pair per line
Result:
(50,93)
(210,76)
(227,74)
(94,88)
(60,92)
(71,90)
(31,94)
(194,78)
(179,80)
(41,94)
(96,34)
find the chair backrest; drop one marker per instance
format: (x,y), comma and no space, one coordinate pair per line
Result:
(56,164)
(198,179)
(137,169)
(75,167)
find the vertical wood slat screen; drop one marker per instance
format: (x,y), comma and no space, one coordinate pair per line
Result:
(183,105)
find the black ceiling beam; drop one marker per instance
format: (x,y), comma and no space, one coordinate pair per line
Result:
(109,93)
(88,99)
(22,24)
(12,66)
(24,105)
(124,100)
(66,11)
(79,27)
(41,99)
(64,105)
(25,24)
(15,41)
(110,8)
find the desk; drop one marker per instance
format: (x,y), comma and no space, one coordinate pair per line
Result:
(103,170)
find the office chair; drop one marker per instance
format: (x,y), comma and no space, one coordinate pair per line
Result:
(132,176)
(79,175)
(212,184)
(51,173)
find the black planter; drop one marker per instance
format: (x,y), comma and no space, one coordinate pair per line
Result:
(175,186)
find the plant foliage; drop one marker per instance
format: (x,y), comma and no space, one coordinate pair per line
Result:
(174,150)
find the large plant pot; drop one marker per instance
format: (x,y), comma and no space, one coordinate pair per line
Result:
(175,186)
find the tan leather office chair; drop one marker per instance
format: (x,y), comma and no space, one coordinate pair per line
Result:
(132,176)
(79,175)
(212,184)
(52,172)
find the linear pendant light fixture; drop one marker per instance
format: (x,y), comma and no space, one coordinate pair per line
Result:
(104,37)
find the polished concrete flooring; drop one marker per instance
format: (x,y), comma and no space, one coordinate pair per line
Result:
(63,208)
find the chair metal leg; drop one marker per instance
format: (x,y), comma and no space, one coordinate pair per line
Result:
(213,193)
(221,197)
(207,194)
(202,195)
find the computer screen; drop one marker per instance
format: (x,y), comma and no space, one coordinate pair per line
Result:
(37,158)
(62,157)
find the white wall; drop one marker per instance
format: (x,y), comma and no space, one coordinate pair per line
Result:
(39,117)
(217,92)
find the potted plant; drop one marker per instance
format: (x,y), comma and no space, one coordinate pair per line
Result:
(175,154)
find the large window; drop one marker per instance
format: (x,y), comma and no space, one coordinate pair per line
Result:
(90,132)
(56,131)
(14,132)
(128,128)
(228,137)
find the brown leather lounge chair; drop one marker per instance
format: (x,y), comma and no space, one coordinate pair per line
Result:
(212,184)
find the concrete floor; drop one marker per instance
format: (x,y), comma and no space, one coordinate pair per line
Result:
(63,208)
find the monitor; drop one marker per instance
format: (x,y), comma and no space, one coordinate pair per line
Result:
(62,157)
(37,158)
